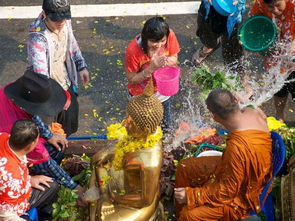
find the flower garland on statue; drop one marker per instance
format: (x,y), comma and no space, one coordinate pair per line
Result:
(287,133)
(128,144)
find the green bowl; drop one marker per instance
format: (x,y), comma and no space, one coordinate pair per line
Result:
(257,33)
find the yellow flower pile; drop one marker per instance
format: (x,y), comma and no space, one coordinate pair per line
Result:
(128,144)
(274,124)
(116,131)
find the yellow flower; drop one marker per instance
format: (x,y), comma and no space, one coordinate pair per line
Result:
(116,131)
(128,144)
(105,180)
(274,124)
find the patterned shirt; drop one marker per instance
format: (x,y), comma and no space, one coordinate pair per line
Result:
(285,23)
(15,185)
(43,128)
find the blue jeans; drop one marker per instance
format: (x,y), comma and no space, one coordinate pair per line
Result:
(166,123)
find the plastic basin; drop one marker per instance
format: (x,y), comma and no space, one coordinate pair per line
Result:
(167,80)
(224,7)
(257,33)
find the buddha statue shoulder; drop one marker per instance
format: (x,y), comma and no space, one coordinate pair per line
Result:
(127,175)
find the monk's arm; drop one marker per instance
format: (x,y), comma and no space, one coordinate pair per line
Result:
(224,189)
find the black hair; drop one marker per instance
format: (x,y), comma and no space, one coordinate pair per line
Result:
(269,1)
(222,102)
(154,29)
(23,133)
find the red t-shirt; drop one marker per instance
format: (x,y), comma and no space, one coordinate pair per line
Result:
(15,184)
(136,60)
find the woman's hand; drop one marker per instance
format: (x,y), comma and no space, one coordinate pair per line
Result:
(158,61)
(171,60)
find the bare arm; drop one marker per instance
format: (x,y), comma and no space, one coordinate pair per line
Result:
(156,62)
(138,77)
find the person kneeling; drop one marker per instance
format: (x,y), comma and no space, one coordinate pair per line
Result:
(16,194)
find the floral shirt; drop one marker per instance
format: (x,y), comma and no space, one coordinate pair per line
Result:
(15,185)
(285,24)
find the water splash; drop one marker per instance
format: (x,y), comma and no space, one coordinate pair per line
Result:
(264,84)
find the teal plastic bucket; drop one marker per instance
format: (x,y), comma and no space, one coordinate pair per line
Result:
(224,7)
(257,33)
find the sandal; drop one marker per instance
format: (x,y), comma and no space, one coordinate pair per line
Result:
(199,56)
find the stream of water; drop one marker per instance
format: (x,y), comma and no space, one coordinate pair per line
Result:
(194,114)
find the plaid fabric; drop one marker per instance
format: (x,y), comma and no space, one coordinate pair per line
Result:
(52,169)
(43,128)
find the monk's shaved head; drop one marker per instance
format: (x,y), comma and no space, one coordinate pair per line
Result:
(222,102)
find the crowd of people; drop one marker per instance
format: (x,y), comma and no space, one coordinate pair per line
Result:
(45,97)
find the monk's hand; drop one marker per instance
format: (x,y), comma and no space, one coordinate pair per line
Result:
(37,180)
(180,195)
(58,141)
(84,75)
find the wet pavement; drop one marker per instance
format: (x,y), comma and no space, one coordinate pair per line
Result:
(103,42)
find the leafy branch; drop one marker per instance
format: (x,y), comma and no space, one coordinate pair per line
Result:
(66,209)
(66,206)
(208,80)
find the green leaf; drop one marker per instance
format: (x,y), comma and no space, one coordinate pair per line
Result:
(65,215)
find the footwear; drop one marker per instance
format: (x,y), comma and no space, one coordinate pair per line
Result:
(199,56)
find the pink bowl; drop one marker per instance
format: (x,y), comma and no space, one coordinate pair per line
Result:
(167,80)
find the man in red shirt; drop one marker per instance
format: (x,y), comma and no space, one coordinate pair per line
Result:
(15,181)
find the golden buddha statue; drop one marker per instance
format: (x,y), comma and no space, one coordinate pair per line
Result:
(127,175)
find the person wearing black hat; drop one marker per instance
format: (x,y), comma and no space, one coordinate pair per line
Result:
(29,97)
(53,51)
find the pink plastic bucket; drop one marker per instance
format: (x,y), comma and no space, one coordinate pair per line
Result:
(167,80)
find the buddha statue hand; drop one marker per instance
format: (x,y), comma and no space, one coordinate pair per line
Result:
(107,208)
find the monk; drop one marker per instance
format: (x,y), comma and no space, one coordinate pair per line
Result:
(227,187)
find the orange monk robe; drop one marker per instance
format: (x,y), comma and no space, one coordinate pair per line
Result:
(227,187)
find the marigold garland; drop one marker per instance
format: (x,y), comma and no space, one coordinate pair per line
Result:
(116,131)
(129,144)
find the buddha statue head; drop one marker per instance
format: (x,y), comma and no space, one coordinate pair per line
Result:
(144,113)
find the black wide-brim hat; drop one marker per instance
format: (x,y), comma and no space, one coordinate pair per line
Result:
(37,94)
